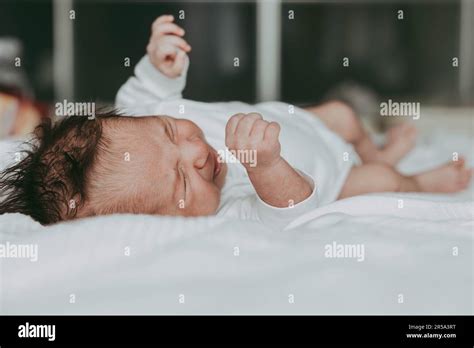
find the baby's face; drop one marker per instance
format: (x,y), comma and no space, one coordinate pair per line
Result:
(172,169)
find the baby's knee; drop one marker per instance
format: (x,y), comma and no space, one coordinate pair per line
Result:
(386,177)
(344,112)
(347,121)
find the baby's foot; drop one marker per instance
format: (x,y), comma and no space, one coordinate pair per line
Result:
(400,140)
(451,177)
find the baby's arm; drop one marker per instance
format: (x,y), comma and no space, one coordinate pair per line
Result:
(161,74)
(277,183)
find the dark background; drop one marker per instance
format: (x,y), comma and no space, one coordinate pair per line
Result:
(114,31)
(392,58)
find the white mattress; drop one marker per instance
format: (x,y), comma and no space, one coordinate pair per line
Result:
(408,253)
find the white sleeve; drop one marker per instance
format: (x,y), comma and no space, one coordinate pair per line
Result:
(149,85)
(252,207)
(279,218)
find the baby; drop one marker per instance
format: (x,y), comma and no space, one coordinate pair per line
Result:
(292,161)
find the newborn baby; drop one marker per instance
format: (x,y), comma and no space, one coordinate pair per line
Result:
(269,162)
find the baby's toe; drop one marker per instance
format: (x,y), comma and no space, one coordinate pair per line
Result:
(460,163)
(467,174)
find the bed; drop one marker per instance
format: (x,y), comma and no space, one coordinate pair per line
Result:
(417,257)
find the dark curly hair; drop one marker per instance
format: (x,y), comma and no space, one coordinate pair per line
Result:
(48,184)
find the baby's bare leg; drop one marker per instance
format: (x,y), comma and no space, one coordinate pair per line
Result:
(378,177)
(342,120)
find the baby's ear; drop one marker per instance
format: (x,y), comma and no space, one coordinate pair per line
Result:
(72,206)
(79,208)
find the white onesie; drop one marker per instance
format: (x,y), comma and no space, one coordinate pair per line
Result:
(307,144)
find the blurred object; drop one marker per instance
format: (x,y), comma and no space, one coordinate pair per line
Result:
(466,78)
(12,77)
(17,116)
(364,100)
(9,106)
(18,113)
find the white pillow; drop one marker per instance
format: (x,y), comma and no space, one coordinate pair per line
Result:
(8,148)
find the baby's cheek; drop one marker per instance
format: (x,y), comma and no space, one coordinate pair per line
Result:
(208,202)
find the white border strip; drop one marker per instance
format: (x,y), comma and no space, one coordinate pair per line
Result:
(268,49)
(63,50)
(466,48)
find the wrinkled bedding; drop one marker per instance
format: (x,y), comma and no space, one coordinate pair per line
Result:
(417,258)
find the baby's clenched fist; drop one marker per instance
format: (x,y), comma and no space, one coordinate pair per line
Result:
(167,49)
(250,132)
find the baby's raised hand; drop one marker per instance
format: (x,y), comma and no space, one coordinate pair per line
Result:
(250,132)
(166,48)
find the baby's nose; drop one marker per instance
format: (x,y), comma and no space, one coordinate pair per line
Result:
(197,152)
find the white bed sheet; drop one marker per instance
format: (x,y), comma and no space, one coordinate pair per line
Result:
(408,252)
